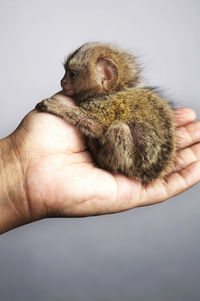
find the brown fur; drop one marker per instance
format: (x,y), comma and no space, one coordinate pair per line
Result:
(128,128)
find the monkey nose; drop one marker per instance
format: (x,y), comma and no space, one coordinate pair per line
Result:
(63,82)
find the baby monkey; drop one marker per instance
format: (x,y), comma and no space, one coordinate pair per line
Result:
(128,127)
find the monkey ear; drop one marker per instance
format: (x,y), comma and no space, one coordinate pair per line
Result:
(107,72)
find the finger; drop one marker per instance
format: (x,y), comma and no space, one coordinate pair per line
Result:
(188,135)
(184,116)
(187,156)
(174,184)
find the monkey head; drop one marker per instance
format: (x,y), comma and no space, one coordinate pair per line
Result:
(96,69)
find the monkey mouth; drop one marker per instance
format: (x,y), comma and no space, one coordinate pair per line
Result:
(68,92)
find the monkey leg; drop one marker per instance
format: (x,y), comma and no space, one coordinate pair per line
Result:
(75,115)
(116,153)
(131,150)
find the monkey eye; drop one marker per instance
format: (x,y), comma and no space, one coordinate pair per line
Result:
(72,74)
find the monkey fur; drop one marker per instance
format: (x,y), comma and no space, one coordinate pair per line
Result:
(128,127)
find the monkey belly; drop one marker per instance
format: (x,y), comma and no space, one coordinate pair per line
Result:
(140,154)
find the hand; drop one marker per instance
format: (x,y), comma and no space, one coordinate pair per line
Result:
(61,179)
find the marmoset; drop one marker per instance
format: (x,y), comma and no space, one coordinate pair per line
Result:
(128,127)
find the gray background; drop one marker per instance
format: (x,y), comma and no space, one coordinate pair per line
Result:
(150,253)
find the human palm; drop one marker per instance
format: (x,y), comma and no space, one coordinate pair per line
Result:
(62,179)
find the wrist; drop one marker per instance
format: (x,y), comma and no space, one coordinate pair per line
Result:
(14,209)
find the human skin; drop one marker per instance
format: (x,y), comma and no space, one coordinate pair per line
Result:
(46,170)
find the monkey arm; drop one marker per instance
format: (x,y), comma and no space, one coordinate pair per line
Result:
(87,124)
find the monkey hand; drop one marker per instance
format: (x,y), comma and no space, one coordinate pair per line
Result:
(75,115)
(51,105)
